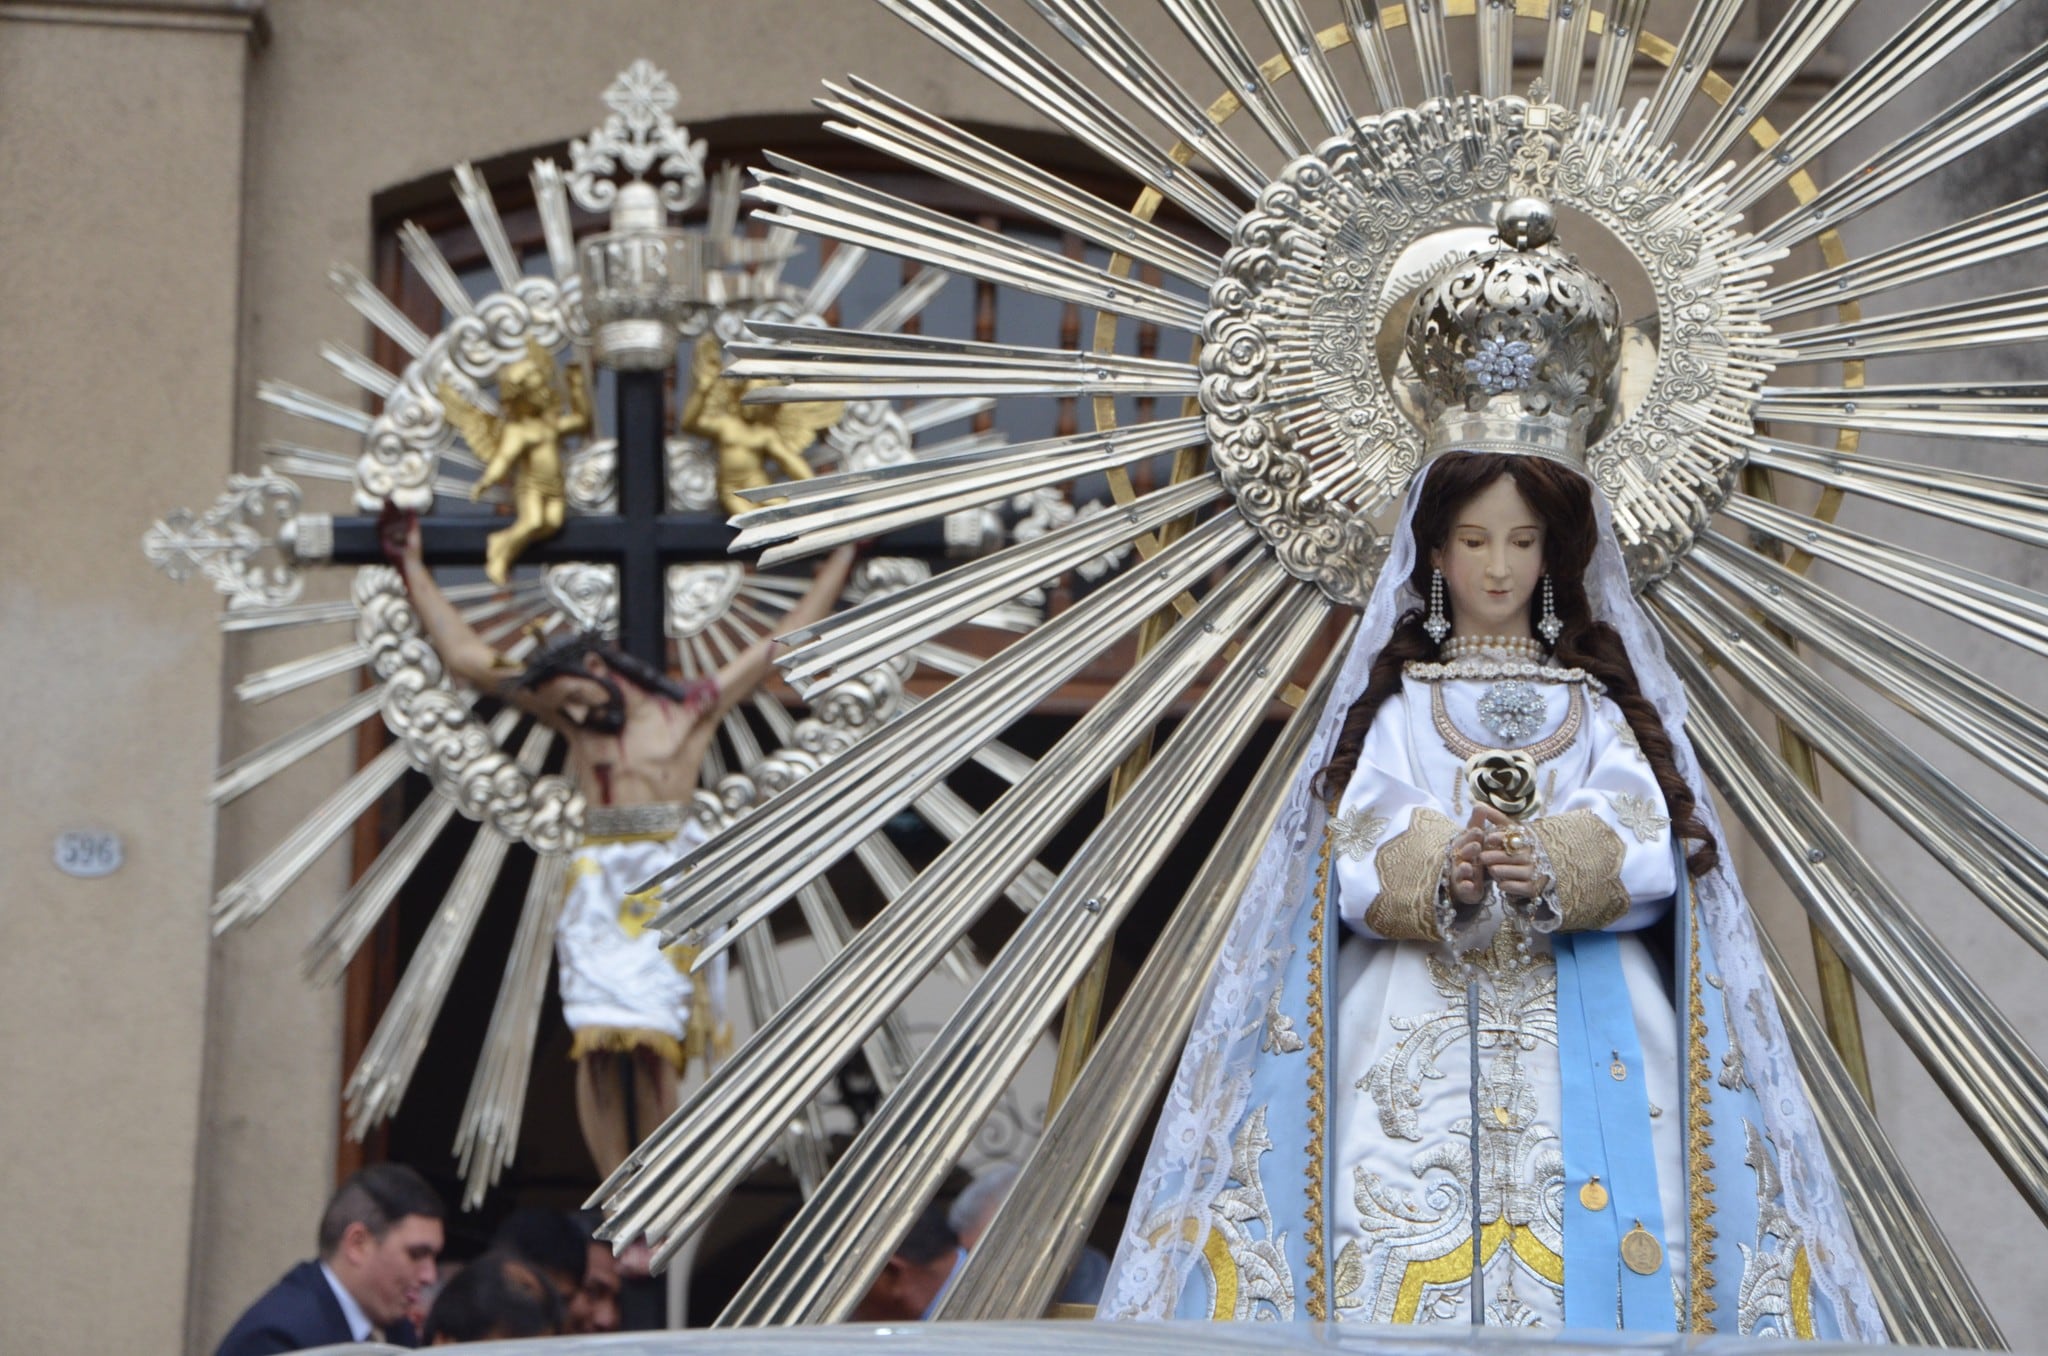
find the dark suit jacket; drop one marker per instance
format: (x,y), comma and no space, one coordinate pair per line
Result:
(300,1311)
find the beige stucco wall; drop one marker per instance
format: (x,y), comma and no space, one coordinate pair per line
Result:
(173,1100)
(121,152)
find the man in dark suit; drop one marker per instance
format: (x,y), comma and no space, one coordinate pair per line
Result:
(379,1239)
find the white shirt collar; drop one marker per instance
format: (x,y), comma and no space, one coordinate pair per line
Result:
(959,1260)
(359,1324)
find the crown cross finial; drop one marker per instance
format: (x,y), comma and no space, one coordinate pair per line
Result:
(640,135)
(227,543)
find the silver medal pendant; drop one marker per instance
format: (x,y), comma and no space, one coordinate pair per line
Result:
(1512,711)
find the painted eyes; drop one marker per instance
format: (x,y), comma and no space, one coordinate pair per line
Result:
(1479,544)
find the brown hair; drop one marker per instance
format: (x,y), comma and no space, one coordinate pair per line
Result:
(1563,499)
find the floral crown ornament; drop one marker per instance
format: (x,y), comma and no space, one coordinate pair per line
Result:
(1514,349)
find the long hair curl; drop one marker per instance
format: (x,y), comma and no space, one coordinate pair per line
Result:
(1564,501)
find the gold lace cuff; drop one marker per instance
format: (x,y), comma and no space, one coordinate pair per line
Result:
(1411,867)
(1585,857)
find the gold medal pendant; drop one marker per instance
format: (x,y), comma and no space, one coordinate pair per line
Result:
(1640,1251)
(1593,1196)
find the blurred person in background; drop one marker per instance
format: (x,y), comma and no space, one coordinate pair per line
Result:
(558,1244)
(497,1297)
(976,1205)
(915,1273)
(597,1309)
(379,1238)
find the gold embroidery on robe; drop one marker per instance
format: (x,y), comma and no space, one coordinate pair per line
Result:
(1699,1138)
(1417,1233)
(1585,856)
(1454,1268)
(1410,867)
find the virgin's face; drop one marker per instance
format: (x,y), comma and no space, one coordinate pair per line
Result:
(1492,562)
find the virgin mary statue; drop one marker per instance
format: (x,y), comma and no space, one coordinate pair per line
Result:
(1491,1039)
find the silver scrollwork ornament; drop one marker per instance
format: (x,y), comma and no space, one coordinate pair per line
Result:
(870,434)
(640,135)
(1319,278)
(223,542)
(698,595)
(590,479)
(588,595)
(402,454)
(440,735)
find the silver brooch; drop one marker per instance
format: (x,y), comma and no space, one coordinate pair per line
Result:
(1512,711)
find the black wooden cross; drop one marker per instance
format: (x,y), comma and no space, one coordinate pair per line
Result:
(642,539)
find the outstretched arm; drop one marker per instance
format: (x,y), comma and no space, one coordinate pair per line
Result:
(463,652)
(751,667)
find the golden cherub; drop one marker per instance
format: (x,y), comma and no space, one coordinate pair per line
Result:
(749,437)
(524,441)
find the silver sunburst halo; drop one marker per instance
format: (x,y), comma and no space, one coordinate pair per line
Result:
(1386,148)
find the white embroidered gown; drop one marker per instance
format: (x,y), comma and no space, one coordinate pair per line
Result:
(1399,1093)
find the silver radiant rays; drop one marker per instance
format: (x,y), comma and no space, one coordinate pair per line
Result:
(1302,175)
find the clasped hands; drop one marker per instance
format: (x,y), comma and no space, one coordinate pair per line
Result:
(1493,849)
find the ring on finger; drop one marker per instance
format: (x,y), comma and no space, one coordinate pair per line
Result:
(1514,840)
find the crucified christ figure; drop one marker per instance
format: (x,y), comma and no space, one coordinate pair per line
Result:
(636,739)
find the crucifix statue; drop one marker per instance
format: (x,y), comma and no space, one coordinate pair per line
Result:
(637,737)
(636,740)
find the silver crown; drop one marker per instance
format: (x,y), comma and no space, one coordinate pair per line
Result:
(1514,349)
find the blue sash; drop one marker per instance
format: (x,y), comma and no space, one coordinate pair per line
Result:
(1606,1133)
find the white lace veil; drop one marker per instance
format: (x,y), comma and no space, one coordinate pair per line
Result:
(1190,1159)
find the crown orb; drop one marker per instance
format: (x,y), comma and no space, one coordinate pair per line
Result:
(1526,223)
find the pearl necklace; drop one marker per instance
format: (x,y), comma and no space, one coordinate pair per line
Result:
(1525,648)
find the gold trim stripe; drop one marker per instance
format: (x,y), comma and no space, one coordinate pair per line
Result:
(1312,1237)
(1699,1132)
(606,839)
(1802,1296)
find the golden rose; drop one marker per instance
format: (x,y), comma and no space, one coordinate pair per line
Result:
(1504,779)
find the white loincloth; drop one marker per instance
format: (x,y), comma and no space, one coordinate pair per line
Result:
(620,989)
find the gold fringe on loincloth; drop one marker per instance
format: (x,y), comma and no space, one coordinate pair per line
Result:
(624,1040)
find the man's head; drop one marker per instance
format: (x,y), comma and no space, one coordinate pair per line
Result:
(582,677)
(975,1206)
(379,1236)
(495,1298)
(597,1307)
(559,1246)
(915,1273)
